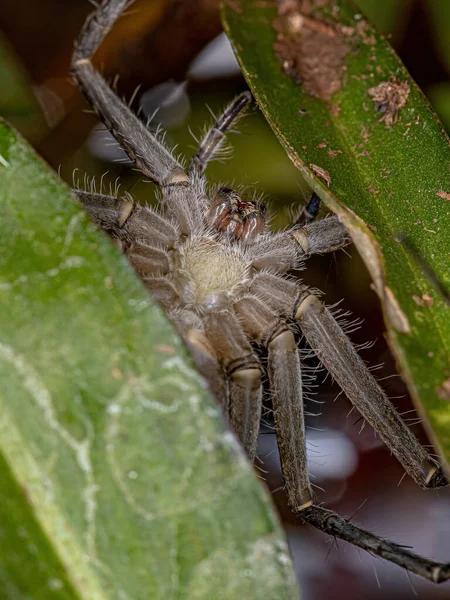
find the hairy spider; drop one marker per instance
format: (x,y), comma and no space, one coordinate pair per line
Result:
(221,274)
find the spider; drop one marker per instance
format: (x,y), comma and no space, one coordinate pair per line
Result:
(222,276)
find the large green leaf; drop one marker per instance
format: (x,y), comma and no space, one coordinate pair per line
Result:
(118,479)
(323,77)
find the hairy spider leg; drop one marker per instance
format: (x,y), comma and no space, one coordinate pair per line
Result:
(340,358)
(214,137)
(141,146)
(338,355)
(183,197)
(327,339)
(236,355)
(331,523)
(265,327)
(288,249)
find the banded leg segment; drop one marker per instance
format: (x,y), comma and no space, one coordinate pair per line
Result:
(326,235)
(336,352)
(329,522)
(126,220)
(191,327)
(292,300)
(213,139)
(338,355)
(146,237)
(244,376)
(286,251)
(143,149)
(264,327)
(286,385)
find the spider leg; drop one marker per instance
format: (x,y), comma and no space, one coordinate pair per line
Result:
(288,299)
(236,356)
(126,220)
(214,137)
(329,522)
(183,198)
(191,328)
(338,355)
(286,250)
(340,358)
(144,236)
(141,146)
(265,327)
(310,211)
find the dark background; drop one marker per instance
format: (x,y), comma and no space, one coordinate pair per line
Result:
(156,44)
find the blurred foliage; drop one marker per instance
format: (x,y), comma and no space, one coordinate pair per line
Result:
(18,102)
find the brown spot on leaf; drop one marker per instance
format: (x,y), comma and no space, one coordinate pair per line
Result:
(389,97)
(425,300)
(335,108)
(444,195)
(366,33)
(443,391)
(310,50)
(346,30)
(364,134)
(322,173)
(165,349)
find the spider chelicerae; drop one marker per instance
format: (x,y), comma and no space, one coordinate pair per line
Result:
(222,276)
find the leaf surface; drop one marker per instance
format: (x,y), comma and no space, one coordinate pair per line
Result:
(118,479)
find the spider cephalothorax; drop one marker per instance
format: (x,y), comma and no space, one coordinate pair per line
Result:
(222,276)
(241,219)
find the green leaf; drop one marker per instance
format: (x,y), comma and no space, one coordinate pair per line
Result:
(315,76)
(118,479)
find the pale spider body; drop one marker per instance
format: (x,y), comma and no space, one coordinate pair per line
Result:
(212,273)
(211,261)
